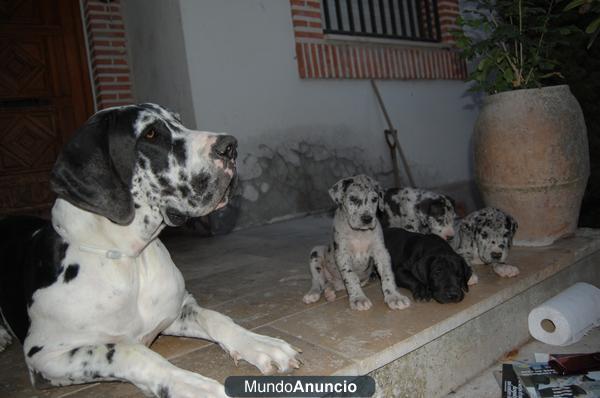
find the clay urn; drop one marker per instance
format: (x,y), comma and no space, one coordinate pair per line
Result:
(532,160)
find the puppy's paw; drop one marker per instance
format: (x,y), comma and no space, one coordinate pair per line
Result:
(311,297)
(184,384)
(505,270)
(360,303)
(329,294)
(397,301)
(473,280)
(5,339)
(422,293)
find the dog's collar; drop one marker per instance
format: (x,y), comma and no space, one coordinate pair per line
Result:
(111,254)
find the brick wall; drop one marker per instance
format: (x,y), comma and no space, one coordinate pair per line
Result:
(105,31)
(320,57)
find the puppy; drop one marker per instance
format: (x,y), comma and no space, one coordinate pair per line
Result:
(356,247)
(419,211)
(427,266)
(485,237)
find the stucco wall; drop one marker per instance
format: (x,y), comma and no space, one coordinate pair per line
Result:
(296,136)
(157,55)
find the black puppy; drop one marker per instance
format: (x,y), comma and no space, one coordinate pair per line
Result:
(427,266)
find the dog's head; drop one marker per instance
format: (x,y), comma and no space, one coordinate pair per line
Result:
(141,155)
(359,197)
(493,233)
(438,215)
(446,275)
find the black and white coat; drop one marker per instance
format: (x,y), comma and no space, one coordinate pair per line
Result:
(418,210)
(87,293)
(485,237)
(356,248)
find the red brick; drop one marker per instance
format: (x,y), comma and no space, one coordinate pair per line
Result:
(112,87)
(304,13)
(314,35)
(314,4)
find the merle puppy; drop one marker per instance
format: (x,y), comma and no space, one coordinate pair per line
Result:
(427,266)
(418,210)
(485,237)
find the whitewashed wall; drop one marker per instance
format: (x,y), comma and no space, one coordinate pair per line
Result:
(296,136)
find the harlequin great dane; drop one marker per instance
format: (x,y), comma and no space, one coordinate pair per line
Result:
(356,247)
(418,210)
(485,237)
(87,293)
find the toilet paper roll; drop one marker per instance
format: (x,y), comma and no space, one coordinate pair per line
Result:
(566,317)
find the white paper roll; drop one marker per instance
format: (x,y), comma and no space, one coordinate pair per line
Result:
(566,317)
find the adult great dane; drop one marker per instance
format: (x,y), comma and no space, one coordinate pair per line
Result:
(88,293)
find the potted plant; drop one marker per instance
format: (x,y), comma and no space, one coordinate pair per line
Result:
(530,143)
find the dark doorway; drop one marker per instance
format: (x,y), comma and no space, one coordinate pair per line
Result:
(45,93)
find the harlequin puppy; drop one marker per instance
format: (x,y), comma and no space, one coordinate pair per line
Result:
(87,293)
(485,237)
(357,245)
(419,211)
(427,266)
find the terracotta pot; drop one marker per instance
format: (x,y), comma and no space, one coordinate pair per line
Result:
(532,160)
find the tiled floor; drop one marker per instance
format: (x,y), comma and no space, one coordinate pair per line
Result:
(258,276)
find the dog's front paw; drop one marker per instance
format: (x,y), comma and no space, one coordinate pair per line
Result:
(505,270)
(311,297)
(264,352)
(397,301)
(329,294)
(422,293)
(473,280)
(184,384)
(360,303)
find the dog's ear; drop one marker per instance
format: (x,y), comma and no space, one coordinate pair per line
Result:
(511,226)
(94,169)
(421,268)
(432,207)
(338,190)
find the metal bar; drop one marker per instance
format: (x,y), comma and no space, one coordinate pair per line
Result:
(402,17)
(326,14)
(338,15)
(379,35)
(436,18)
(372,15)
(393,18)
(382,15)
(361,17)
(350,14)
(428,15)
(419,17)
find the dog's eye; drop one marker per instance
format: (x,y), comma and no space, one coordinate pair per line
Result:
(374,200)
(150,134)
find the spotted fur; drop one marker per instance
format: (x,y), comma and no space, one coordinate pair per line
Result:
(88,292)
(420,211)
(356,248)
(485,237)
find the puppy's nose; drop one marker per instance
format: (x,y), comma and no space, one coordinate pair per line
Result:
(366,219)
(225,147)
(449,237)
(453,296)
(496,255)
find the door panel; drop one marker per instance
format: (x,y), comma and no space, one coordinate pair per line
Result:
(44,94)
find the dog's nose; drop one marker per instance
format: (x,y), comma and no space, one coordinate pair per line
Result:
(226,147)
(366,219)
(449,237)
(496,255)
(453,296)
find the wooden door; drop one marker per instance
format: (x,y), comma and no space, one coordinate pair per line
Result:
(45,94)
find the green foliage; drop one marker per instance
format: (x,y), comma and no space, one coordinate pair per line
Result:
(512,42)
(584,7)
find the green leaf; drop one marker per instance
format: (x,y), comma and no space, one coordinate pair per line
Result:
(594,26)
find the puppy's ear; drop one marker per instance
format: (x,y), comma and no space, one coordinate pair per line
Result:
(95,167)
(421,268)
(431,207)
(511,226)
(467,272)
(338,190)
